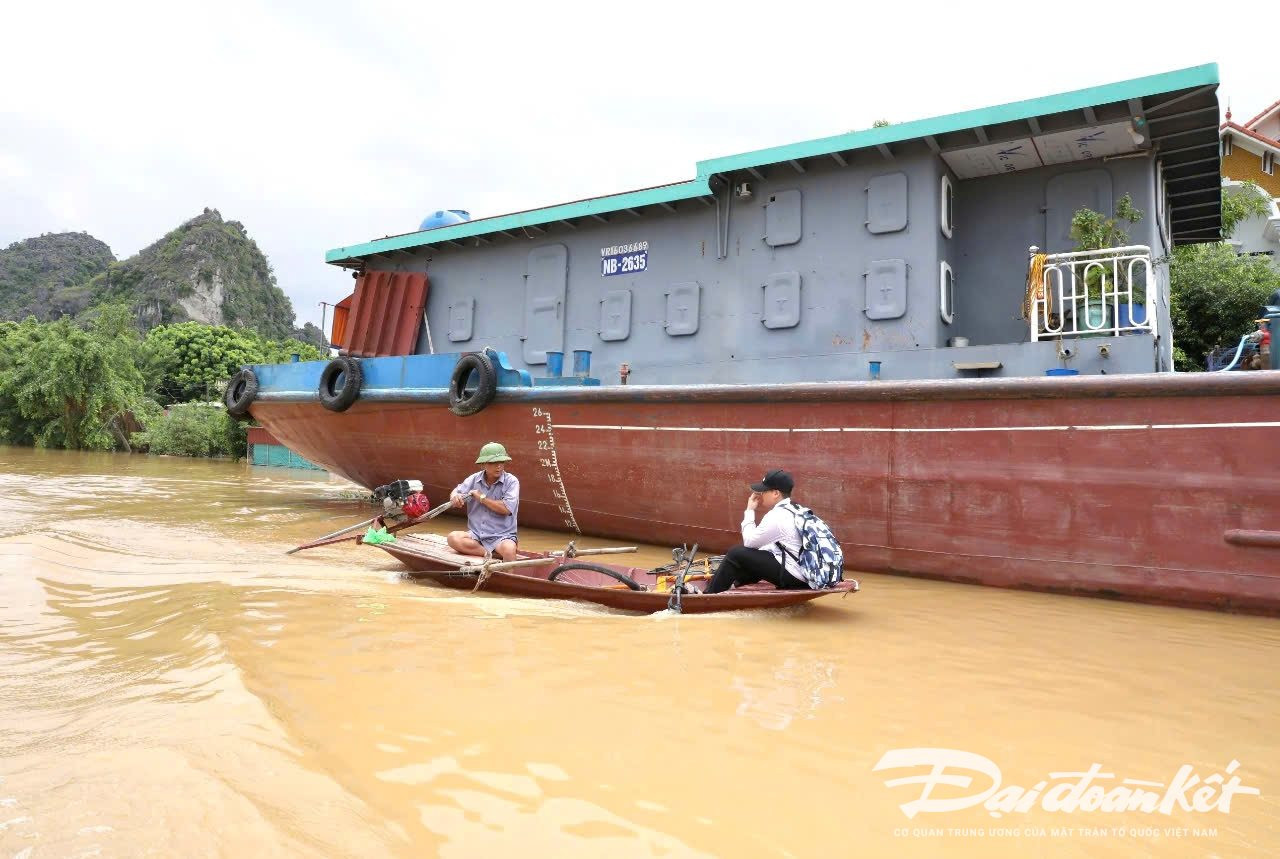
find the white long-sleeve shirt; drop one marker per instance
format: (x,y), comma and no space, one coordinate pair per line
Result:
(776,526)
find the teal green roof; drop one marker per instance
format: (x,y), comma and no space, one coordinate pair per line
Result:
(1182,79)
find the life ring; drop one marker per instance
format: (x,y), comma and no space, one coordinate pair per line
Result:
(242,390)
(463,400)
(339,399)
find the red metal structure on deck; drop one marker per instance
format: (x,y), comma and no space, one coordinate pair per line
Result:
(384,315)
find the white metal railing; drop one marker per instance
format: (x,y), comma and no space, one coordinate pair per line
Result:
(1067,304)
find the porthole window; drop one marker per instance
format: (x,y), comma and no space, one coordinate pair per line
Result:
(946,293)
(948,203)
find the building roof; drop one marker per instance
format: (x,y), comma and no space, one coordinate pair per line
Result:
(1264,142)
(1266,112)
(1175,112)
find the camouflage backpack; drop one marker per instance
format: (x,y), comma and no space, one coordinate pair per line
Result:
(821,560)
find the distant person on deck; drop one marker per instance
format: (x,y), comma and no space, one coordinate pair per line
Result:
(491,497)
(761,556)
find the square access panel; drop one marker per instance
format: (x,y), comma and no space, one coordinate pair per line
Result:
(461,317)
(887,203)
(615,315)
(782,218)
(781,300)
(886,289)
(682,309)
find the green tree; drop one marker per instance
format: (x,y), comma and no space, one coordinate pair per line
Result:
(1215,294)
(15,344)
(1094,231)
(88,383)
(189,361)
(72,387)
(193,429)
(1249,201)
(280,351)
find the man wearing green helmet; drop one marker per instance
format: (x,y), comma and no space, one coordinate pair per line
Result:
(491,497)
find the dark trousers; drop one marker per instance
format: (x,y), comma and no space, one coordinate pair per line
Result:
(743,566)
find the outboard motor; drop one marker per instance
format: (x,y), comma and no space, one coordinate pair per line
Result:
(397,490)
(403,498)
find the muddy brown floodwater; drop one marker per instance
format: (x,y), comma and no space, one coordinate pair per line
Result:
(172,684)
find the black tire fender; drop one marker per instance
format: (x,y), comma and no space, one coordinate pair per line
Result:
(464,401)
(242,390)
(333,397)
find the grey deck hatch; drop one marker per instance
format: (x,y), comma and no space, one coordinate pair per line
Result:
(682,309)
(887,203)
(782,300)
(782,224)
(544,290)
(887,289)
(461,320)
(615,315)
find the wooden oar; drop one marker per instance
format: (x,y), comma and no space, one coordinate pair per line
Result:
(495,566)
(430,514)
(340,534)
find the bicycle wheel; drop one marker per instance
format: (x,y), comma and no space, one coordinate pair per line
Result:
(582,573)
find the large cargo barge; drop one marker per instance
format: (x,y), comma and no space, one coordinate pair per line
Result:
(859,310)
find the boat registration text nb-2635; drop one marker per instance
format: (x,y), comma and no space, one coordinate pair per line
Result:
(624,259)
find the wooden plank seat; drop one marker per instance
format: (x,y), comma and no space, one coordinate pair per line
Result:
(437,546)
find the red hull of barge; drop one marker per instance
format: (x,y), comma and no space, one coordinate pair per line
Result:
(1158,488)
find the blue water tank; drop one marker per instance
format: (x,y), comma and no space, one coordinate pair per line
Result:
(444,218)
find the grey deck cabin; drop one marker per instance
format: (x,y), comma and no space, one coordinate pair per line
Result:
(811,261)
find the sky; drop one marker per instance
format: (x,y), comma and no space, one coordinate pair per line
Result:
(321,124)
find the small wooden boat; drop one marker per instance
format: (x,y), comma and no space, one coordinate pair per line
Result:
(557,576)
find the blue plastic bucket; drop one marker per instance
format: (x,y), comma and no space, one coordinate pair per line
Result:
(1139,314)
(555,364)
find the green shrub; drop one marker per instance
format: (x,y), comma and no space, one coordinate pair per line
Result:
(194,429)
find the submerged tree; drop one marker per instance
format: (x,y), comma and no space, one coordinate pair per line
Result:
(193,429)
(71,387)
(90,384)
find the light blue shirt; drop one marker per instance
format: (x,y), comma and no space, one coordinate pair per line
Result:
(484,524)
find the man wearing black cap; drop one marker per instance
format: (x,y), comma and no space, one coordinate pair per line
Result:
(761,557)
